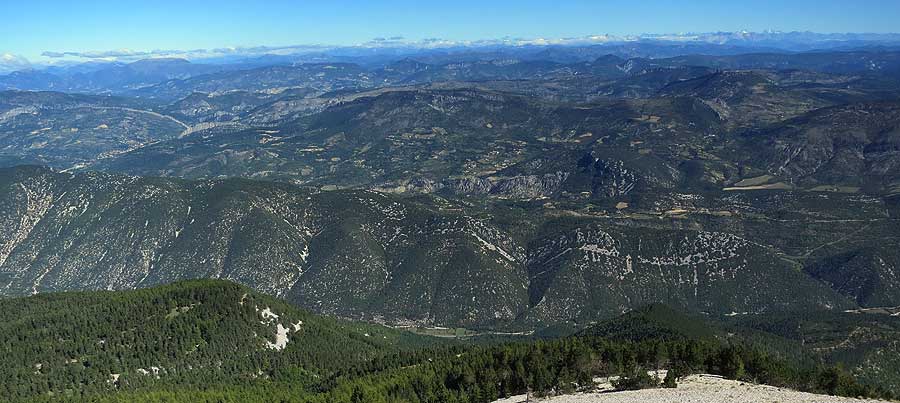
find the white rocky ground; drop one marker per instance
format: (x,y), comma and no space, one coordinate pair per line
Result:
(695,389)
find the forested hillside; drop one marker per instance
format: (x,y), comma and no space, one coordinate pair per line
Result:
(438,261)
(189,334)
(218,341)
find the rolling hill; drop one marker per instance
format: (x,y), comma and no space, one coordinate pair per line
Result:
(65,130)
(726,212)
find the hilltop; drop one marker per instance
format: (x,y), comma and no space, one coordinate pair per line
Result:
(700,389)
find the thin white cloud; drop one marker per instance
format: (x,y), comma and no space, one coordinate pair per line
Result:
(10,63)
(116,54)
(192,54)
(741,37)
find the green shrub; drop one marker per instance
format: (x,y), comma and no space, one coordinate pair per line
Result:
(671,379)
(636,379)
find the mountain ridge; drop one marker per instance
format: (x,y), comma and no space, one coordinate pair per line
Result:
(362,254)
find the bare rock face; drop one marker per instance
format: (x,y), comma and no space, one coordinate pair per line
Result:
(515,187)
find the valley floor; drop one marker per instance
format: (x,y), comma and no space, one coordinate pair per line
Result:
(695,389)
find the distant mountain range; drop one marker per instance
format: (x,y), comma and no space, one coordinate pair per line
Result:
(176,78)
(386,49)
(562,186)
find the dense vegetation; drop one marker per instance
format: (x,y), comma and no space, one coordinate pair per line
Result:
(866,345)
(190,333)
(483,374)
(213,341)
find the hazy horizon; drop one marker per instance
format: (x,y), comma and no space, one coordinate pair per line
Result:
(781,40)
(106,29)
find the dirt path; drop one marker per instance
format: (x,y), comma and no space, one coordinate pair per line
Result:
(151,113)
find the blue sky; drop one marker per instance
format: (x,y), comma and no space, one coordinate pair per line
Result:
(31,27)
